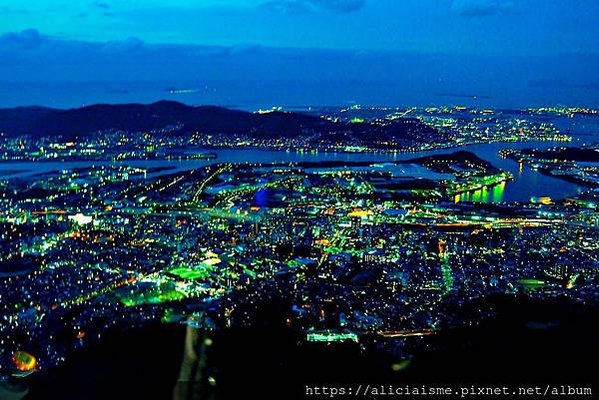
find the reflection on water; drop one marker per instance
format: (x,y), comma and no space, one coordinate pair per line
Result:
(526,182)
(487,194)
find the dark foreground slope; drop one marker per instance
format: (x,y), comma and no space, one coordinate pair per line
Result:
(527,344)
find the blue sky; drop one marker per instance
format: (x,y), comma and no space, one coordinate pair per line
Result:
(506,53)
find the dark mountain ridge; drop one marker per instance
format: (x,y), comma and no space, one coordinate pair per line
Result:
(79,122)
(39,121)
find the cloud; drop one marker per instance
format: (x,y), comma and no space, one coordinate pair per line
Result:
(286,6)
(103,8)
(27,39)
(483,8)
(61,72)
(9,10)
(294,6)
(344,6)
(101,5)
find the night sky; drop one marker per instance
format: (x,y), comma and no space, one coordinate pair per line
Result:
(256,53)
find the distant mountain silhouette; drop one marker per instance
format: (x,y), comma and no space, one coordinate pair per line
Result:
(80,122)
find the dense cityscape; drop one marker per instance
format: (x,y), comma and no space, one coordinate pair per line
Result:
(299,199)
(132,228)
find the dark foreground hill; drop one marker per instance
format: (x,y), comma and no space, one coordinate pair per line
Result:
(528,343)
(181,118)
